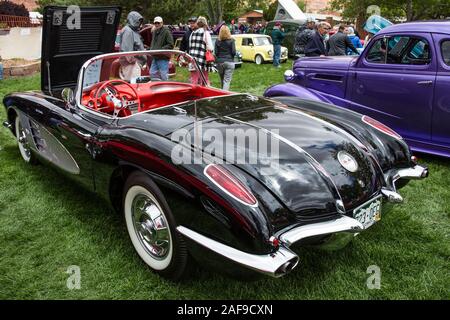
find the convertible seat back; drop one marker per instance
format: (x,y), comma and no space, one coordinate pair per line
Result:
(159,94)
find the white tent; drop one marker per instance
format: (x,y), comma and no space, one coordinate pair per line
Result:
(288,9)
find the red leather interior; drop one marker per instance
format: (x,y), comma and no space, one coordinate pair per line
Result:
(155,95)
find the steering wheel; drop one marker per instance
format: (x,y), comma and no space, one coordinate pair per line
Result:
(120,101)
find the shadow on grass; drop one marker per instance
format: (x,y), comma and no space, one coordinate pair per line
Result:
(95,214)
(399,242)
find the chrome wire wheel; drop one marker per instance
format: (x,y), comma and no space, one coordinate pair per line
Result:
(148,227)
(151,226)
(21,136)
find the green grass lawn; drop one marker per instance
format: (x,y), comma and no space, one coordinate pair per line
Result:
(48,224)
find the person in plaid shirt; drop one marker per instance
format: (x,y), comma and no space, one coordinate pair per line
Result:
(199,42)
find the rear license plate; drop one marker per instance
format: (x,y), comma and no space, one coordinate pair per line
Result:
(368,213)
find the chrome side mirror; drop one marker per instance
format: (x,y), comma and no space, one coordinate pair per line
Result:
(67,95)
(289,75)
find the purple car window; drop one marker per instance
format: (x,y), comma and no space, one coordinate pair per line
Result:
(446,51)
(400,50)
(377,53)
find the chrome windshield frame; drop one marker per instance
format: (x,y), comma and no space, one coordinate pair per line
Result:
(79,88)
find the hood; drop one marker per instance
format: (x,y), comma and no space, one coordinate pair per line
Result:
(134,20)
(329,63)
(69,39)
(308,179)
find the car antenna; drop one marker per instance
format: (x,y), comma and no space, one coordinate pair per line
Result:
(48,79)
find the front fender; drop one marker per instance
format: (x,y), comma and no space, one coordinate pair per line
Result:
(294,90)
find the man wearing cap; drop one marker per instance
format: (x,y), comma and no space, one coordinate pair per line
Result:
(184,46)
(277,40)
(303,36)
(161,40)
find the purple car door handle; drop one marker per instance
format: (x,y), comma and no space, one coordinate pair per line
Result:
(428,82)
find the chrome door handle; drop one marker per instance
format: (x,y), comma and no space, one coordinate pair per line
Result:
(427,82)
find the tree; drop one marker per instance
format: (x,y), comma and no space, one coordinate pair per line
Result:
(214,9)
(394,10)
(270,12)
(301,4)
(10,8)
(172,11)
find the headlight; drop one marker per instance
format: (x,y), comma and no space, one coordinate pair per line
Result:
(289,75)
(270,52)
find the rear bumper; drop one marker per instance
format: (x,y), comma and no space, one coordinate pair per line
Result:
(283,260)
(392,178)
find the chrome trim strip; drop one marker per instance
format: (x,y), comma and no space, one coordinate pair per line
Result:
(276,264)
(341,224)
(317,166)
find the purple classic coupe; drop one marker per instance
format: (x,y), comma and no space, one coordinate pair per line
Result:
(402,79)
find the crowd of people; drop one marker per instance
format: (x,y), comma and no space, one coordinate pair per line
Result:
(312,39)
(196,41)
(235,28)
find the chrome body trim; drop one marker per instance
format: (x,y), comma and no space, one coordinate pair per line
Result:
(340,224)
(276,264)
(7,125)
(283,260)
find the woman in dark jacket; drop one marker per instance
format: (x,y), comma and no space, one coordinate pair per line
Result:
(225,50)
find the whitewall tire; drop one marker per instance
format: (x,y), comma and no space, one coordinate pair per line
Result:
(152,228)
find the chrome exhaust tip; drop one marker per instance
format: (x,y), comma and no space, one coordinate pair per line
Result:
(417,172)
(392,196)
(287,267)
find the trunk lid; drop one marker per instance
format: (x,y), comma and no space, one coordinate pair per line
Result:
(69,38)
(308,177)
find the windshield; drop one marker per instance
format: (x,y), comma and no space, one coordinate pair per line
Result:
(262,41)
(136,67)
(122,84)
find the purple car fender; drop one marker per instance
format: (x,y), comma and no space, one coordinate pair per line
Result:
(293,90)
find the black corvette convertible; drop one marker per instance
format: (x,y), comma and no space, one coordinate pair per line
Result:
(254,176)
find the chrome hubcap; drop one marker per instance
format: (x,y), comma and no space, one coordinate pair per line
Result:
(22,139)
(151,226)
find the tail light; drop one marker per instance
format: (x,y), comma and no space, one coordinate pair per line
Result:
(381,127)
(231,185)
